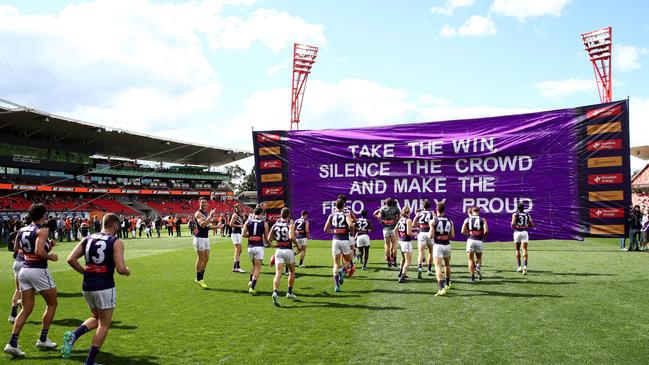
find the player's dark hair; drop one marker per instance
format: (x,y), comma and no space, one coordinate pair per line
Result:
(390,202)
(476,210)
(342,197)
(286,212)
(441,207)
(258,211)
(364,213)
(37,211)
(110,220)
(304,213)
(426,204)
(521,207)
(340,203)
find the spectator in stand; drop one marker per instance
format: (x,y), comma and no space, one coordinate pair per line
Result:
(51,226)
(158,225)
(85,228)
(644,229)
(68,229)
(635,223)
(96,223)
(139,226)
(178,223)
(133,226)
(60,228)
(170,226)
(191,223)
(76,223)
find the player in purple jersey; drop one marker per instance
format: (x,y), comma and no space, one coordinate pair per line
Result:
(236,222)
(255,230)
(283,231)
(338,224)
(476,230)
(521,221)
(104,254)
(202,240)
(424,243)
(302,234)
(404,232)
(442,232)
(362,228)
(35,278)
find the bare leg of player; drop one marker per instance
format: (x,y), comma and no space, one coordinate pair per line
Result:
(51,303)
(430,260)
(438,274)
(291,281)
(15,301)
(105,319)
(471,267)
(366,256)
(405,264)
(302,255)
(478,263)
(524,258)
(237,258)
(336,272)
(254,276)
(517,248)
(388,250)
(279,268)
(421,258)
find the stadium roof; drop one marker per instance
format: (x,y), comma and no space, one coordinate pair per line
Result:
(641,152)
(18,120)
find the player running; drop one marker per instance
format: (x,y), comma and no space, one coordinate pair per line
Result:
(362,228)
(255,230)
(339,223)
(424,242)
(236,222)
(442,232)
(283,231)
(404,231)
(34,277)
(104,253)
(302,234)
(521,221)
(476,230)
(202,240)
(388,216)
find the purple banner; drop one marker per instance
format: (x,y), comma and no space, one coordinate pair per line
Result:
(539,159)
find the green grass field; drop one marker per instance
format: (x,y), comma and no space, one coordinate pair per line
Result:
(582,303)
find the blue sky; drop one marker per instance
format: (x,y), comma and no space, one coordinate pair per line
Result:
(210,71)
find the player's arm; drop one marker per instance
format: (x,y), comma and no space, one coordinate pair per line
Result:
(409,227)
(118,258)
(41,240)
(370,228)
(202,220)
(513,220)
(465,228)
(451,235)
(73,258)
(530,224)
(431,230)
(415,223)
(377,214)
(327,227)
(350,222)
(307,230)
(244,232)
(269,234)
(17,243)
(486,229)
(291,231)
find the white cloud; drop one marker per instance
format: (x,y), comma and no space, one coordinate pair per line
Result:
(274,69)
(135,64)
(555,90)
(626,58)
(450,6)
(475,26)
(523,9)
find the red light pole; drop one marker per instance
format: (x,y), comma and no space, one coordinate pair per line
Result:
(599,46)
(303,59)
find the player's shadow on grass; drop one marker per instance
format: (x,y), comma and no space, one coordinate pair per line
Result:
(74,322)
(496,281)
(79,355)
(337,305)
(404,290)
(69,295)
(474,293)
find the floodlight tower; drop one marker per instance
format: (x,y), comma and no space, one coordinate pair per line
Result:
(303,59)
(599,46)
